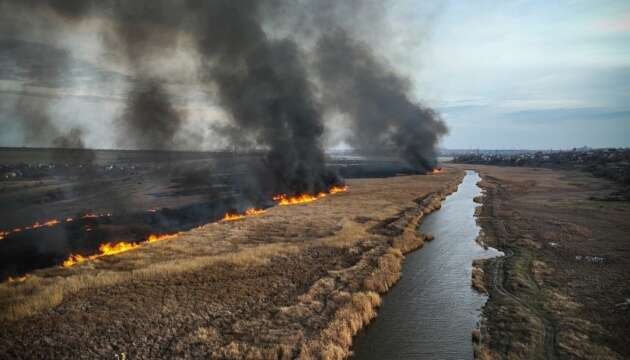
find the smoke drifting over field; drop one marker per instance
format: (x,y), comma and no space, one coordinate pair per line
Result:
(149,120)
(274,88)
(377,101)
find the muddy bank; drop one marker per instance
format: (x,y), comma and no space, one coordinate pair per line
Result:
(297,281)
(561,290)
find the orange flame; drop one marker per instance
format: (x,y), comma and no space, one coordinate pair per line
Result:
(254,212)
(47,223)
(437,171)
(233,217)
(16,279)
(104,250)
(37,225)
(284,199)
(113,249)
(94,215)
(50,223)
(248,212)
(338,189)
(155,238)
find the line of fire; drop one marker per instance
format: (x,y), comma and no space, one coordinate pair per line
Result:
(94,225)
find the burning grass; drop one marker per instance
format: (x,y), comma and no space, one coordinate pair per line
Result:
(37,225)
(109,249)
(265,308)
(50,223)
(283,199)
(248,212)
(17,279)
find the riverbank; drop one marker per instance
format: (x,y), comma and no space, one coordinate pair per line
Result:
(296,281)
(432,310)
(562,289)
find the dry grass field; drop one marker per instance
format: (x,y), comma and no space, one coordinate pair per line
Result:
(562,290)
(295,282)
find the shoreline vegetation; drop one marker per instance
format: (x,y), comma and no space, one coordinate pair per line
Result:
(297,282)
(554,292)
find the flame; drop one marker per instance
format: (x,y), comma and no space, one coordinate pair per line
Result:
(232,217)
(50,223)
(254,212)
(248,212)
(94,215)
(16,279)
(338,189)
(47,223)
(155,238)
(437,171)
(284,199)
(37,225)
(104,250)
(108,249)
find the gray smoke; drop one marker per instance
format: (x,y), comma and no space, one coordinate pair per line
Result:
(149,120)
(134,34)
(264,81)
(141,31)
(18,60)
(377,100)
(264,85)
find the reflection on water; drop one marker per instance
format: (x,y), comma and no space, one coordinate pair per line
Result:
(432,310)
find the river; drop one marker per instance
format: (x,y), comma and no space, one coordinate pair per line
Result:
(432,310)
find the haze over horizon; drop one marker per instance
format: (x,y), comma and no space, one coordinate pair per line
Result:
(524,75)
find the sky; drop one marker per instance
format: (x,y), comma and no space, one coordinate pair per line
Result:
(526,74)
(503,74)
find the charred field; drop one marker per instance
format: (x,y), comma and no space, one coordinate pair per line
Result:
(57,202)
(294,281)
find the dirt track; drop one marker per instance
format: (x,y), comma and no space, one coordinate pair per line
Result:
(555,293)
(296,282)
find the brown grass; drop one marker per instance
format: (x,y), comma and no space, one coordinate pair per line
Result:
(36,293)
(476,336)
(483,353)
(326,316)
(478,281)
(335,340)
(386,273)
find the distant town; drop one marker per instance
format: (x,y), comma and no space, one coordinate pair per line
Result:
(610,163)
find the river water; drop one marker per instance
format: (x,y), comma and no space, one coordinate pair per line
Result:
(432,310)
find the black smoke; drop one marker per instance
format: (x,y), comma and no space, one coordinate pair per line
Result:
(270,96)
(377,100)
(265,82)
(149,120)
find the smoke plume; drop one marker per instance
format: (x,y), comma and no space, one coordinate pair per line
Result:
(149,120)
(377,101)
(263,79)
